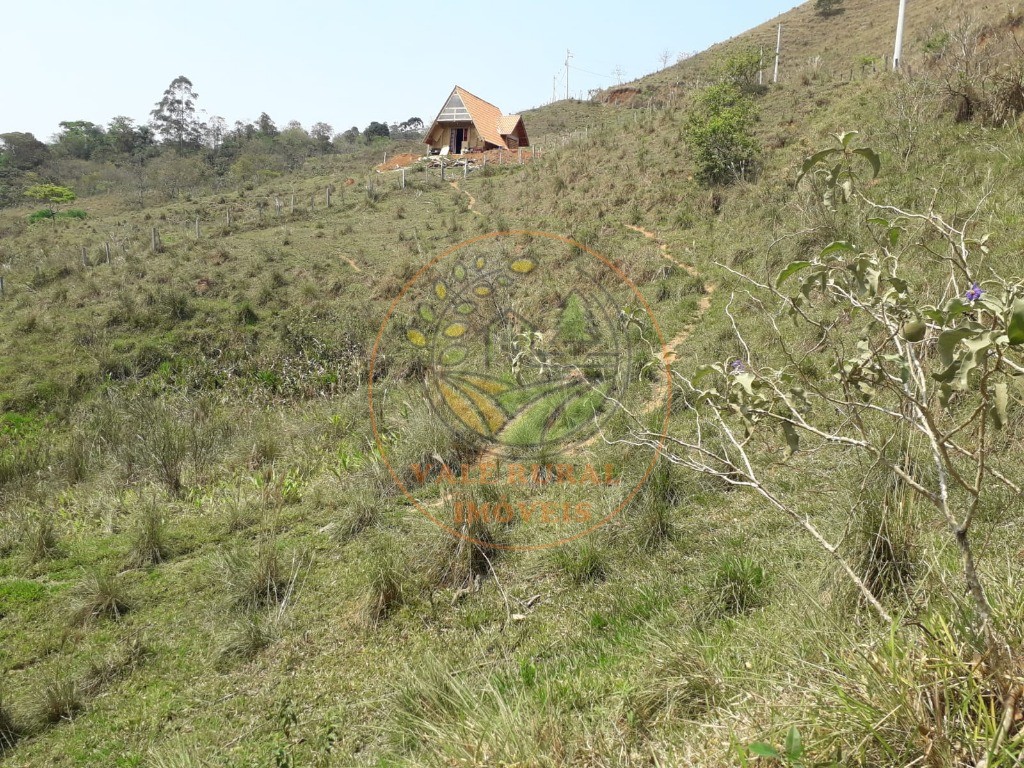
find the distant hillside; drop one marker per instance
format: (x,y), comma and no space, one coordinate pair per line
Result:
(861,33)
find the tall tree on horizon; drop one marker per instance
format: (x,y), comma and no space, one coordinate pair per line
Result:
(174,116)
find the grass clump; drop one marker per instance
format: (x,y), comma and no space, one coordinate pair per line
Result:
(921,698)
(149,542)
(62,699)
(65,695)
(10,732)
(40,539)
(249,635)
(464,559)
(582,561)
(100,594)
(256,578)
(387,587)
(683,683)
(887,542)
(738,585)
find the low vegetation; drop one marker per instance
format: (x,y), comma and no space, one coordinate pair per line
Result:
(205,559)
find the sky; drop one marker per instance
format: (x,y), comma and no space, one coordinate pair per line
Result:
(339,62)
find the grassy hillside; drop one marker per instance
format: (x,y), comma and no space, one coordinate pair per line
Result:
(203,560)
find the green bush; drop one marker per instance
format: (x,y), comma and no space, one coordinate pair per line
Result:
(40,215)
(718,131)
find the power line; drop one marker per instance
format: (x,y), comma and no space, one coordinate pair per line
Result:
(595,74)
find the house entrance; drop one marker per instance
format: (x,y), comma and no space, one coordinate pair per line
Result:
(459,135)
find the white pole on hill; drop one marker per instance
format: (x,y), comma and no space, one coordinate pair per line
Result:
(778,50)
(568,55)
(898,54)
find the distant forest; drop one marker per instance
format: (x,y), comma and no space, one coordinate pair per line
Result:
(174,153)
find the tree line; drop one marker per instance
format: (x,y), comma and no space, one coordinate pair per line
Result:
(175,151)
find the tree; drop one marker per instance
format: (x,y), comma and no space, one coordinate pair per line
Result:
(351,136)
(127,139)
(52,195)
(23,151)
(294,145)
(174,116)
(134,146)
(741,69)
(827,7)
(412,124)
(216,127)
(719,131)
(376,130)
(177,175)
(80,139)
(321,133)
(266,126)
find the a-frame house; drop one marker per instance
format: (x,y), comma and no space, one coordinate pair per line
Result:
(467,123)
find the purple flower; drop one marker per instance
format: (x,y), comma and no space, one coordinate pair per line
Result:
(737,366)
(974,293)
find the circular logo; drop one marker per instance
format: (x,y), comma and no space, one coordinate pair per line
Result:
(523,345)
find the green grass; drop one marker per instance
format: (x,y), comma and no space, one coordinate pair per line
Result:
(279,569)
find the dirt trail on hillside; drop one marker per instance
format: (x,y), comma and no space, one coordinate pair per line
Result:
(669,353)
(351,263)
(472,200)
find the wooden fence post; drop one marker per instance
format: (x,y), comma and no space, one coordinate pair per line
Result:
(85,257)
(1,285)
(292,210)
(465,168)
(153,238)
(403,178)
(227,216)
(106,247)
(197,227)
(328,195)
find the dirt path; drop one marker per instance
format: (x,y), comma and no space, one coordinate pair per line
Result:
(688,268)
(472,200)
(351,263)
(670,352)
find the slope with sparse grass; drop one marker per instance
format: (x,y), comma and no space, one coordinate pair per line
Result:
(188,472)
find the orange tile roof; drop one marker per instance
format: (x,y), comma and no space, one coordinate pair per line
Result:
(485,116)
(507,124)
(489,122)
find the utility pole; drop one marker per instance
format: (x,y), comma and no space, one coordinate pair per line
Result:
(618,74)
(568,55)
(898,53)
(554,81)
(778,50)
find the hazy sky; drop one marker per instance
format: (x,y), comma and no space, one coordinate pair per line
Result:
(341,62)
